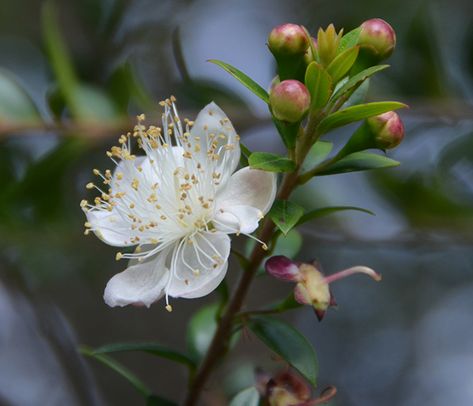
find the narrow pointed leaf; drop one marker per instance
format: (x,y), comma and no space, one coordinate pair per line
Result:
(247,397)
(271,162)
(356,113)
(359,161)
(244,79)
(150,348)
(350,39)
(319,83)
(357,79)
(285,214)
(288,343)
(340,66)
(317,154)
(245,154)
(325,211)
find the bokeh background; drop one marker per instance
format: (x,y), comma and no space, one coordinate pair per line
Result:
(71,82)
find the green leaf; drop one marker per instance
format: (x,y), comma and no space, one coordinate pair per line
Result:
(356,113)
(288,343)
(271,162)
(244,79)
(317,154)
(245,154)
(15,104)
(349,40)
(285,214)
(325,211)
(359,161)
(357,79)
(151,399)
(287,131)
(319,83)
(289,245)
(247,397)
(150,348)
(343,62)
(289,303)
(94,105)
(201,329)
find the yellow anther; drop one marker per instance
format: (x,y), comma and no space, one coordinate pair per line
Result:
(87,224)
(89,185)
(96,172)
(265,247)
(169,308)
(118,256)
(135,183)
(84,203)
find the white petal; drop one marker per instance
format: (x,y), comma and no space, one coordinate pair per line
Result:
(200,266)
(238,219)
(141,284)
(213,122)
(110,227)
(249,187)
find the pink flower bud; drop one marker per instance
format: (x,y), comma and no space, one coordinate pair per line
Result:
(378,38)
(289,100)
(387,129)
(287,39)
(283,268)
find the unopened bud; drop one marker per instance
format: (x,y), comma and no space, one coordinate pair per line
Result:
(283,268)
(287,39)
(378,38)
(289,100)
(327,44)
(387,128)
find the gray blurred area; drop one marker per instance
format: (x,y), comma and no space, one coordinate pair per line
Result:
(405,341)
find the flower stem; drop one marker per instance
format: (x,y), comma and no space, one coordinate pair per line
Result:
(221,338)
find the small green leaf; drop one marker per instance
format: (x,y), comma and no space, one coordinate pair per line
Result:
(15,104)
(244,79)
(349,40)
(289,245)
(288,343)
(359,161)
(271,162)
(150,348)
(151,399)
(245,154)
(356,113)
(285,214)
(340,66)
(319,83)
(317,153)
(325,211)
(247,397)
(357,79)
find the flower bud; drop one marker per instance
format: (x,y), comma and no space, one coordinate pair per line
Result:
(289,100)
(287,388)
(287,40)
(283,268)
(309,56)
(327,44)
(387,129)
(378,38)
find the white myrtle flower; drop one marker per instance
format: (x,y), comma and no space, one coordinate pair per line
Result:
(176,204)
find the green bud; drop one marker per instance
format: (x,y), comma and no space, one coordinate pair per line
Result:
(327,44)
(289,100)
(287,40)
(377,38)
(388,130)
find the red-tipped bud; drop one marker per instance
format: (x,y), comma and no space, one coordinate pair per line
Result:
(289,100)
(283,268)
(378,38)
(387,128)
(287,40)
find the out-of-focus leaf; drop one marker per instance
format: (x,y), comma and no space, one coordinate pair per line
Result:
(271,162)
(357,79)
(325,211)
(287,131)
(288,343)
(94,104)
(244,79)
(359,161)
(129,376)
(343,62)
(285,214)
(15,104)
(350,39)
(150,348)
(317,154)
(319,83)
(201,329)
(247,397)
(288,245)
(356,113)
(289,303)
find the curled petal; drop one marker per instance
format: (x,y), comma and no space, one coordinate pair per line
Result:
(238,219)
(110,227)
(199,264)
(141,284)
(283,268)
(249,187)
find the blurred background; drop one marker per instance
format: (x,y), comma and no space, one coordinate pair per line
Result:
(73,76)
